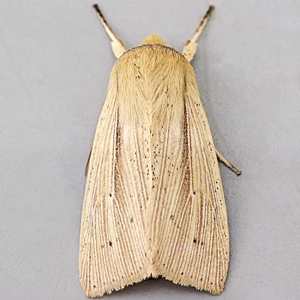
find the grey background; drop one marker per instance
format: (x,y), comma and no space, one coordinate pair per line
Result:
(55,61)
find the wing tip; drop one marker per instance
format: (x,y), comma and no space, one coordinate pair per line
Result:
(199,284)
(95,291)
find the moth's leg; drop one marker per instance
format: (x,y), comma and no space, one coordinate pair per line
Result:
(228,163)
(190,47)
(87,164)
(116,44)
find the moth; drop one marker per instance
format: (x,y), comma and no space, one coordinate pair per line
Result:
(154,203)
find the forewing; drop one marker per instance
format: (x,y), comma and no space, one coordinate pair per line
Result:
(112,241)
(190,221)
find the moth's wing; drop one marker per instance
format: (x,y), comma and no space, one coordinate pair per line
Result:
(112,240)
(190,230)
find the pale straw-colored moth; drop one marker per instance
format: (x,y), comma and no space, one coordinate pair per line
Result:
(154,203)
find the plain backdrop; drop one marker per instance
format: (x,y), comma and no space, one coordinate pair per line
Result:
(55,61)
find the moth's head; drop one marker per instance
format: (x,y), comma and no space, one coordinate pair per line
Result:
(153,39)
